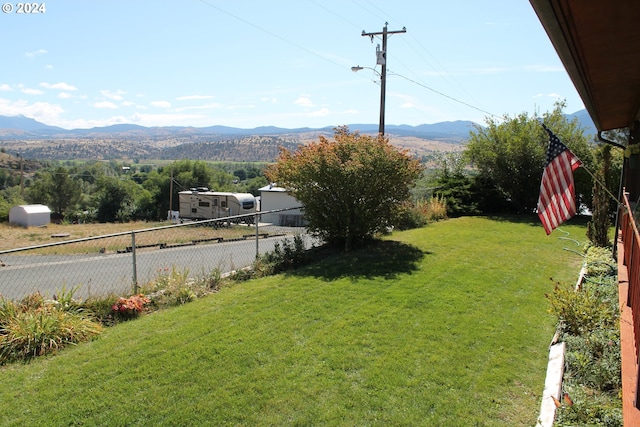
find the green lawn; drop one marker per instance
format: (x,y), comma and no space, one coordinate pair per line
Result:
(442,326)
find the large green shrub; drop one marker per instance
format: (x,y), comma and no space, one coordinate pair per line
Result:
(510,153)
(352,187)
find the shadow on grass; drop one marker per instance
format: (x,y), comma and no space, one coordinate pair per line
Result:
(534,221)
(381,258)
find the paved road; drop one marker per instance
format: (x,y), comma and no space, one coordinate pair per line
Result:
(101,274)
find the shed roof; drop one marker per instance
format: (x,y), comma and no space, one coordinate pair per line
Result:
(33,209)
(273,188)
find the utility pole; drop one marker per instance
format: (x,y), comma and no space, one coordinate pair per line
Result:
(21,177)
(382,60)
(171,196)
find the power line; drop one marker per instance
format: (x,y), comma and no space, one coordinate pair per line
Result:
(321,6)
(447,74)
(422,47)
(445,95)
(272,34)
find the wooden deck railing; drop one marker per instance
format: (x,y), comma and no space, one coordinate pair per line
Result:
(631,244)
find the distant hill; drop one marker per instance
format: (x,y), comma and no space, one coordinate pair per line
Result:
(35,140)
(584,119)
(25,128)
(21,126)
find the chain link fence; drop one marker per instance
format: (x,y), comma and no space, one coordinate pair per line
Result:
(120,263)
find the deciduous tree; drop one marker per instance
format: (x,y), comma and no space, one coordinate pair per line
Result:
(351,187)
(511,153)
(57,189)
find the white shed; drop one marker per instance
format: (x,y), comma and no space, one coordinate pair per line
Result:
(273,197)
(30,215)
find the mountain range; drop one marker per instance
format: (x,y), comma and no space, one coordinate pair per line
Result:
(35,140)
(21,127)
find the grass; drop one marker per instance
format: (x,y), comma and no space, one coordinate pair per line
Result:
(442,326)
(18,237)
(14,236)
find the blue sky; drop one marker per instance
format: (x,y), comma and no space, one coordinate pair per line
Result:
(249,63)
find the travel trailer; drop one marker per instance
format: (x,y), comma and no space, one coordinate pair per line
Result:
(201,203)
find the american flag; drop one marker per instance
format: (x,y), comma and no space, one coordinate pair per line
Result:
(557,202)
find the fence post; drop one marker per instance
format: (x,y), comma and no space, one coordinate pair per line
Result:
(133,257)
(257,220)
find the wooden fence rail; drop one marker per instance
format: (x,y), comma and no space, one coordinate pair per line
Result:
(631,245)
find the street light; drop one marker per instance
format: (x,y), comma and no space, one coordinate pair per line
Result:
(383,90)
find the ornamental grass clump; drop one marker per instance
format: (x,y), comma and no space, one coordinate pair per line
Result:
(35,327)
(173,287)
(421,212)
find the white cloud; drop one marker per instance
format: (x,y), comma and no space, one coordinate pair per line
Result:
(547,95)
(64,95)
(269,99)
(499,70)
(116,96)
(5,88)
(127,103)
(105,104)
(29,91)
(320,113)
(160,104)
(35,53)
(304,101)
(544,68)
(189,97)
(60,86)
(240,107)
(41,111)
(49,67)
(163,119)
(488,70)
(211,105)
(86,124)
(406,101)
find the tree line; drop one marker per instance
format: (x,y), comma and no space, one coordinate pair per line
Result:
(112,192)
(353,182)
(501,167)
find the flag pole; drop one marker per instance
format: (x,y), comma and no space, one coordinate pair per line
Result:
(603,186)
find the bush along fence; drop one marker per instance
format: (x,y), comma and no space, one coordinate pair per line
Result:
(121,263)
